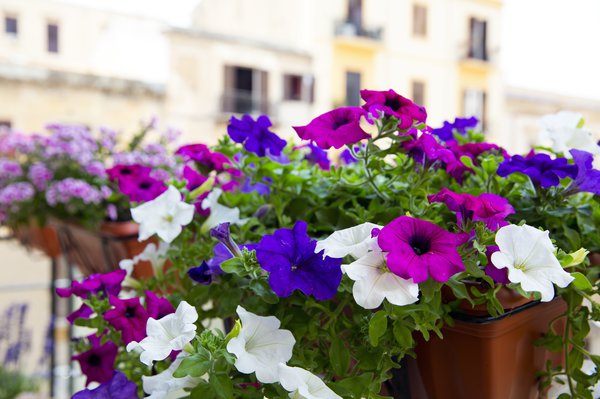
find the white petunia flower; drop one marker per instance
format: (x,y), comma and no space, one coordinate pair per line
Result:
(170,333)
(562,130)
(219,213)
(156,255)
(261,346)
(374,282)
(303,384)
(355,241)
(528,254)
(165,386)
(165,215)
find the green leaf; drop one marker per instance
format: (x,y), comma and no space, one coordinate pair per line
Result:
(222,385)
(195,365)
(377,327)
(233,265)
(467,161)
(581,282)
(403,335)
(339,357)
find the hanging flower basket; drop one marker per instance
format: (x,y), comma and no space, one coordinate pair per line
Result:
(42,238)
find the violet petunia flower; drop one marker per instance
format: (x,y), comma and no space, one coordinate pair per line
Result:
(206,272)
(255,135)
(105,284)
(125,172)
(261,188)
(201,274)
(142,188)
(158,307)
(288,255)
(201,154)
(97,363)
(118,387)
(460,125)
(426,150)
(393,105)
(129,317)
(419,249)
(84,312)
(317,156)
(335,128)
(498,275)
(541,169)
(587,178)
(489,208)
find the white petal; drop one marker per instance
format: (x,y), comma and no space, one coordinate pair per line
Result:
(355,241)
(304,383)
(164,385)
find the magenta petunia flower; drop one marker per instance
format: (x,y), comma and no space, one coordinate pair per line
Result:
(201,154)
(195,180)
(489,208)
(335,128)
(419,249)
(158,307)
(142,188)
(392,104)
(125,172)
(129,317)
(106,284)
(473,150)
(84,312)
(97,363)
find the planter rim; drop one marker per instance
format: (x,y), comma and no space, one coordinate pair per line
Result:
(483,319)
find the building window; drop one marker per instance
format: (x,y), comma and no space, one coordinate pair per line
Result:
(245,90)
(478,39)
(474,105)
(419,20)
(5,125)
(353,89)
(355,13)
(11,26)
(298,87)
(418,92)
(52,38)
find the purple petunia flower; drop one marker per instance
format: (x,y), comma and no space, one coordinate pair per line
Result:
(419,249)
(498,275)
(142,188)
(97,363)
(84,312)
(393,105)
(489,208)
(195,180)
(129,317)
(158,307)
(460,125)
(262,189)
(255,135)
(201,154)
(317,156)
(40,175)
(118,387)
(335,128)
(426,151)
(15,193)
(106,284)
(473,150)
(125,172)
(201,274)
(289,257)
(541,169)
(587,178)
(205,273)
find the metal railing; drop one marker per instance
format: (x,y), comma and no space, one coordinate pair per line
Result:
(348,28)
(244,102)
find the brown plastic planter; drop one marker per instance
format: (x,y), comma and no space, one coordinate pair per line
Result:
(486,358)
(42,238)
(100,251)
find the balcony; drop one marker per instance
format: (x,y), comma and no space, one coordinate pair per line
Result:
(350,29)
(244,102)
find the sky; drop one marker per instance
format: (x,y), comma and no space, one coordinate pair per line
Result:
(547,45)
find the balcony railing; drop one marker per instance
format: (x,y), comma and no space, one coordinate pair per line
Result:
(244,102)
(347,28)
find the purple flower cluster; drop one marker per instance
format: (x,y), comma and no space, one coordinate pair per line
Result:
(69,189)
(15,193)
(108,139)
(541,168)
(255,135)
(9,169)
(96,168)
(15,142)
(40,175)
(391,104)
(460,126)
(71,141)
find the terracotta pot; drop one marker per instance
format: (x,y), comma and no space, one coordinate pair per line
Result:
(486,358)
(100,251)
(42,238)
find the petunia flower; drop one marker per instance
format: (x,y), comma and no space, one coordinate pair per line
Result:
(374,282)
(201,154)
(158,307)
(289,257)
(460,126)
(317,156)
(354,241)
(260,346)
(156,255)
(588,178)
(255,135)
(125,172)
(105,284)
(142,189)
(302,384)
(563,130)
(335,128)
(392,104)
(426,150)
(170,333)
(97,363)
(118,387)
(129,317)
(84,312)
(164,385)
(163,216)
(219,213)
(419,249)
(528,254)
(541,169)
(498,275)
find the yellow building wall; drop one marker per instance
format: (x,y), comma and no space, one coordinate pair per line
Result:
(352,55)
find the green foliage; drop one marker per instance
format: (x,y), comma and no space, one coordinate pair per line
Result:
(14,383)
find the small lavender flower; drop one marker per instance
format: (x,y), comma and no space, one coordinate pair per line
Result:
(9,169)
(171,135)
(19,142)
(111,212)
(108,139)
(15,193)
(40,175)
(160,174)
(64,191)
(96,168)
